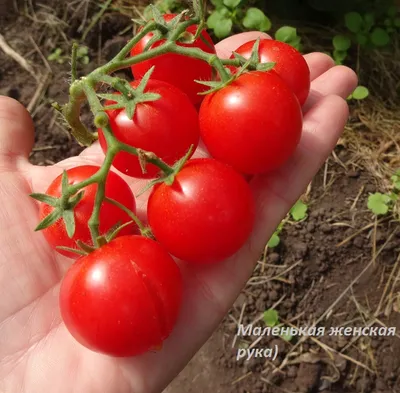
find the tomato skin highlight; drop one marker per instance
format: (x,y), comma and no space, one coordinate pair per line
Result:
(290,65)
(166,127)
(110,215)
(254,124)
(180,71)
(206,215)
(124,298)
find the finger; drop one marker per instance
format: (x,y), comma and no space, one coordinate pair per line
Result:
(339,80)
(210,291)
(228,45)
(318,63)
(16,133)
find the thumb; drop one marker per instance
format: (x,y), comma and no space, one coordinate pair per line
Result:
(16,133)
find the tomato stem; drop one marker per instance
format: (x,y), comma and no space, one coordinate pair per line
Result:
(142,228)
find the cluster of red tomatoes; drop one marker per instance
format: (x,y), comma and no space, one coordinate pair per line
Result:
(123,299)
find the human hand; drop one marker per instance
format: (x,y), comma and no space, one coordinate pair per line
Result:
(37,353)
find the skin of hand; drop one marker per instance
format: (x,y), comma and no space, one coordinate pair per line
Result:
(37,353)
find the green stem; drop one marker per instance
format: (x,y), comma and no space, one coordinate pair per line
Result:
(131,215)
(151,26)
(101,177)
(150,159)
(71,112)
(217,64)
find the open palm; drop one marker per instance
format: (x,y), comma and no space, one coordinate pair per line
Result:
(37,353)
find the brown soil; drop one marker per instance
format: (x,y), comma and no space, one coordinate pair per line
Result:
(338,267)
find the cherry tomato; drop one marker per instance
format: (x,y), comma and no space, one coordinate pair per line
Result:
(181,71)
(290,64)
(124,298)
(166,127)
(254,124)
(206,215)
(110,215)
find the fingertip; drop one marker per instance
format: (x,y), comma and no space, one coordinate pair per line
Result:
(16,130)
(228,45)
(351,76)
(318,63)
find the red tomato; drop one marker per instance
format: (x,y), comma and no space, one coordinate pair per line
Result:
(254,124)
(290,64)
(206,215)
(181,71)
(122,299)
(110,215)
(166,127)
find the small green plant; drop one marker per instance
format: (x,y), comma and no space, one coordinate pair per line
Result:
(289,35)
(271,319)
(81,55)
(298,212)
(381,204)
(369,30)
(57,56)
(230,13)
(360,93)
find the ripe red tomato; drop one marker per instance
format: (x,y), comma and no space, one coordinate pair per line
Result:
(110,215)
(254,124)
(180,71)
(206,215)
(166,127)
(290,64)
(122,299)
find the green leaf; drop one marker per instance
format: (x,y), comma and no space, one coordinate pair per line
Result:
(299,211)
(396,182)
(82,51)
(369,21)
(274,241)
(223,28)
(361,39)
(217,3)
(286,34)
(231,3)
(217,16)
(256,19)
(44,198)
(360,93)
(341,42)
(339,55)
(396,22)
(296,43)
(353,21)
(286,337)
(69,222)
(379,203)
(393,197)
(271,317)
(379,37)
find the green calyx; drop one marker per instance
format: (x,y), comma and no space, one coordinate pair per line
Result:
(246,65)
(168,177)
(129,97)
